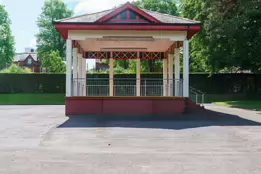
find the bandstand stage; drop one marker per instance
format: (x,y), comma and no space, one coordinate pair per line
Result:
(127,33)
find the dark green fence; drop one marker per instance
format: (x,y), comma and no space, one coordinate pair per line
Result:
(225,84)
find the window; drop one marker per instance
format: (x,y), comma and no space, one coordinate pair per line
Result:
(132,15)
(142,18)
(123,15)
(114,18)
(44,70)
(29,61)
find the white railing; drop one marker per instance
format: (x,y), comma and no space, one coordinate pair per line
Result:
(197,95)
(125,86)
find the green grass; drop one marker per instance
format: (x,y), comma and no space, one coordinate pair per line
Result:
(245,104)
(32,99)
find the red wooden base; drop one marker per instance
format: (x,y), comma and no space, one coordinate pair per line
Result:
(125,105)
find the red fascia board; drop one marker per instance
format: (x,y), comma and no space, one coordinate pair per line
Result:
(125,27)
(125,7)
(64,28)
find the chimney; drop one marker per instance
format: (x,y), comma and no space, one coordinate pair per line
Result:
(29,50)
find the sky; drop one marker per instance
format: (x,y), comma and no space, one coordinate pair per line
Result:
(24,13)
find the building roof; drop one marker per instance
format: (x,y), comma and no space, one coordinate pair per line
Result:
(22,56)
(86,17)
(93,17)
(111,20)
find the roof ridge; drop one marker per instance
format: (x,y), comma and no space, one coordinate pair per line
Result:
(171,15)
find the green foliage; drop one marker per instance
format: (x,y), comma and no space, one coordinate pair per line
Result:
(162,6)
(7,50)
(32,99)
(48,39)
(54,62)
(229,37)
(16,69)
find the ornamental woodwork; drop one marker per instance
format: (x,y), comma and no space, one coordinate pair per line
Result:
(117,55)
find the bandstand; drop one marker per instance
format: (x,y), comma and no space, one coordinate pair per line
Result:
(127,33)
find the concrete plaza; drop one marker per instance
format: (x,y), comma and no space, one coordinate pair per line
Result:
(40,139)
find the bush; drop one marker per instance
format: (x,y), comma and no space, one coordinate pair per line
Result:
(16,69)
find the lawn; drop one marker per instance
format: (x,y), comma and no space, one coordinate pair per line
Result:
(32,99)
(245,104)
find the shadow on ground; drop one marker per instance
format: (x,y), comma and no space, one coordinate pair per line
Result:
(203,118)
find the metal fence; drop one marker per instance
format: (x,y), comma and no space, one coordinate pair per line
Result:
(125,86)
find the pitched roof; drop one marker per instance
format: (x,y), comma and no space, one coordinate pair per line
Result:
(166,18)
(93,17)
(22,56)
(87,17)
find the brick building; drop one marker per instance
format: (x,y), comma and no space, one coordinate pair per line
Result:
(29,59)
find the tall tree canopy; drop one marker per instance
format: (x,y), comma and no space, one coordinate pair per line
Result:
(162,6)
(230,34)
(48,39)
(7,50)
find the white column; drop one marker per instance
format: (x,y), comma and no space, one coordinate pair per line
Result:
(68,68)
(75,74)
(177,72)
(186,69)
(84,76)
(165,77)
(80,81)
(170,78)
(111,76)
(138,77)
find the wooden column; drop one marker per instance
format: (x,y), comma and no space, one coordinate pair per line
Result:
(84,76)
(68,68)
(75,72)
(165,77)
(186,69)
(111,75)
(138,77)
(170,74)
(177,72)
(80,79)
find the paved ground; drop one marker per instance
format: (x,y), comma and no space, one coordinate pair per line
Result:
(40,139)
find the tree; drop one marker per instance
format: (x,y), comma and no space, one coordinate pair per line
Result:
(48,39)
(162,6)
(54,62)
(229,35)
(7,50)
(16,69)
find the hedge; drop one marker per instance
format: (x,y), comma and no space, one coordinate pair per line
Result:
(55,83)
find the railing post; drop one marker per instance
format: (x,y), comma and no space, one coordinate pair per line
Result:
(145,87)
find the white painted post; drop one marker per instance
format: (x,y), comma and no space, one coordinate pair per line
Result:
(68,68)
(165,77)
(111,76)
(170,78)
(177,72)
(138,77)
(80,81)
(84,76)
(186,69)
(75,74)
